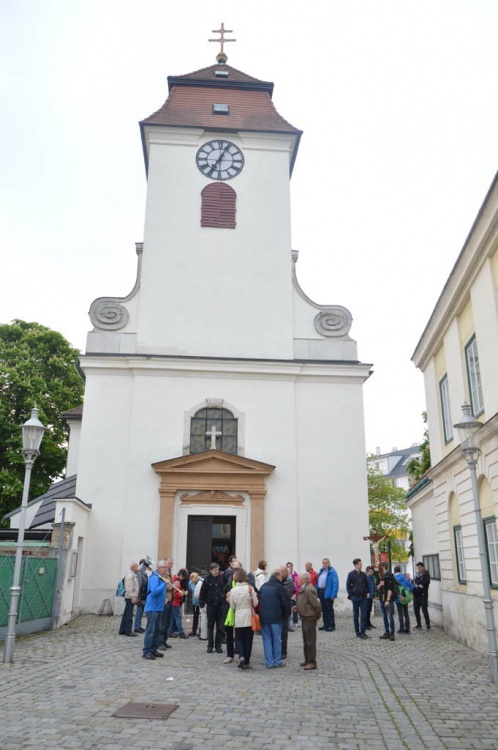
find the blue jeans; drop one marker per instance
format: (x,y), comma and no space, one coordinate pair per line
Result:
(360,606)
(152,637)
(166,621)
(272,643)
(388,614)
(327,611)
(138,616)
(176,621)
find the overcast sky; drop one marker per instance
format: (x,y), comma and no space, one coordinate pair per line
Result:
(399,107)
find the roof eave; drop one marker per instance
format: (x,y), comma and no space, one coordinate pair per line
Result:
(221,83)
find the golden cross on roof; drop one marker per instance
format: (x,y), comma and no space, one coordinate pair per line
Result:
(221,56)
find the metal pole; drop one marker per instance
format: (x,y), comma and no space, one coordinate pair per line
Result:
(8,652)
(488,602)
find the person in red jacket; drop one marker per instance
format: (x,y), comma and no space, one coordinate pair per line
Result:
(312,573)
(178,594)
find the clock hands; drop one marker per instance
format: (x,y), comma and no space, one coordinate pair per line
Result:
(219,159)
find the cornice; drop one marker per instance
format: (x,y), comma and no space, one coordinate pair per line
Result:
(113,364)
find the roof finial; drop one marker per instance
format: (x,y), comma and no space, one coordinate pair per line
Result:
(221,57)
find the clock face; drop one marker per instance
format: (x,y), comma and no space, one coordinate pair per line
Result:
(219,160)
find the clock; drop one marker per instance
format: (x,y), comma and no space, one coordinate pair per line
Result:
(219,160)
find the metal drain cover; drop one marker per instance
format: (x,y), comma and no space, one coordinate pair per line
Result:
(146,710)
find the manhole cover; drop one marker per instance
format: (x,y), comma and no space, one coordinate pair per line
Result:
(146,710)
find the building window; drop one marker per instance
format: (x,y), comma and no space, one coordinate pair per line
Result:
(431,564)
(218,206)
(491,537)
(445,409)
(460,559)
(224,433)
(220,109)
(474,377)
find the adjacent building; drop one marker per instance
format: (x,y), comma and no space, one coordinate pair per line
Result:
(458,355)
(394,464)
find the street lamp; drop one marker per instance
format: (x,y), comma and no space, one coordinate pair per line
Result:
(32,433)
(468,430)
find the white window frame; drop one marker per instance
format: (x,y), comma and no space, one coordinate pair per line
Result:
(444,393)
(460,556)
(491,536)
(432,566)
(474,377)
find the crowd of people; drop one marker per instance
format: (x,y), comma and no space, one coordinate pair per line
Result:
(229,607)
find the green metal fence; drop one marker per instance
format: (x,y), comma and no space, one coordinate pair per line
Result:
(37,581)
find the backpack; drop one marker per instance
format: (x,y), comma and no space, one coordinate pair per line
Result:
(404,596)
(121,591)
(142,594)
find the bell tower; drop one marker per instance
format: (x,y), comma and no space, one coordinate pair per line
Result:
(217,272)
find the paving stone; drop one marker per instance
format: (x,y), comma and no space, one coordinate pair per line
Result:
(422,692)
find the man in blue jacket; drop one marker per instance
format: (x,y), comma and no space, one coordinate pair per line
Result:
(327,587)
(154,605)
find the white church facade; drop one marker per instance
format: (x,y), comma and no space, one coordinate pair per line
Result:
(223,409)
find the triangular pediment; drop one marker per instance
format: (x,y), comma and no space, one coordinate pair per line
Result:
(212,462)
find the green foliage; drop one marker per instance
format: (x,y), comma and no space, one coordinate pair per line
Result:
(387,511)
(418,466)
(37,368)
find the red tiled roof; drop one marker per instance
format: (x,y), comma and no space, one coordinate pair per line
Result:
(191,106)
(191,99)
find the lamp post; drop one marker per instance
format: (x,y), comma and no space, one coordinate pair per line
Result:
(32,433)
(468,428)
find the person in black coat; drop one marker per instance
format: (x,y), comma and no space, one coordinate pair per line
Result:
(359,593)
(421,596)
(212,598)
(274,609)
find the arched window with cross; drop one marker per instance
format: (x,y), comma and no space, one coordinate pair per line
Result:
(212,428)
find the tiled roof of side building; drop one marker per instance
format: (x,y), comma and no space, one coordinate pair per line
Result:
(73,413)
(62,490)
(399,469)
(401,452)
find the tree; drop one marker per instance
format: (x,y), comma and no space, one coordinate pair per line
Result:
(387,510)
(37,368)
(418,466)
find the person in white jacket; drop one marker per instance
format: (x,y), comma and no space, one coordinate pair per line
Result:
(131,598)
(260,575)
(203,627)
(243,600)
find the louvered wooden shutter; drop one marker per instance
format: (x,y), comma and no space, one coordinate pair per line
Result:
(218,206)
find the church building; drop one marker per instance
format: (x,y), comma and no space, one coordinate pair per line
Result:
(223,409)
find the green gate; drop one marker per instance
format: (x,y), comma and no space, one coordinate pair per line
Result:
(37,582)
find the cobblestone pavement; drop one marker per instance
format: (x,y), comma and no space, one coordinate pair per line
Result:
(422,691)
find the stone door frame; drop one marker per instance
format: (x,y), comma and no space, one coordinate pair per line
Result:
(215,477)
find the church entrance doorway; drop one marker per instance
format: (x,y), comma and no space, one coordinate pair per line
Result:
(210,539)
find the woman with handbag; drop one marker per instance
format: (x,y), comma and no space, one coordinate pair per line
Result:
(243,600)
